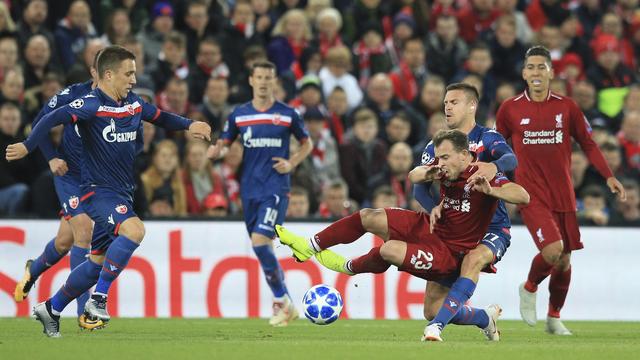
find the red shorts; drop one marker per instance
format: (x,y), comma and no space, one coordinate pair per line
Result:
(427,255)
(548,226)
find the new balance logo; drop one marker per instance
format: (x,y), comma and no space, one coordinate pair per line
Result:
(525,121)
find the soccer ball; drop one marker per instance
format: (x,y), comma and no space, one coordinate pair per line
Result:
(322,304)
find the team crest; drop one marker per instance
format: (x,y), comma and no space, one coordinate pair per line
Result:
(121,209)
(129,108)
(276,119)
(559,120)
(74,202)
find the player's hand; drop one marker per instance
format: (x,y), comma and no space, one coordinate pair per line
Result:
(58,166)
(486,170)
(436,214)
(200,130)
(16,151)
(214,150)
(481,184)
(616,187)
(282,165)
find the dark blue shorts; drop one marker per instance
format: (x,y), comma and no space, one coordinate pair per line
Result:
(261,215)
(108,209)
(69,193)
(498,242)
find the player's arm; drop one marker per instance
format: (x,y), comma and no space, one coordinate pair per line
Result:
(306,145)
(285,166)
(229,134)
(422,193)
(581,132)
(40,132)
(422,181)
(505,159)
(502,189)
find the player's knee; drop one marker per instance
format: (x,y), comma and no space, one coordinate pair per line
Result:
(133,230)
(477,260)
(553,252)
(371,218)
(63,242)
(393,252)
(564,262)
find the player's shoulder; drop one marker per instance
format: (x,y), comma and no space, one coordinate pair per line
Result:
(90,101)
(242,109)
(489,133)
(561,99)
(284,109)
(516,100)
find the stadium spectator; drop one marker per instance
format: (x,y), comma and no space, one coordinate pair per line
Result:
(38,96)
(229,168)
(524,34)
(361,16)
(117,28)
(80,71)
(589,13)
(324,156)
(371,54)
(384,197)
(541,12)
(33,22)
(431,97)
(335,201)
(73,32)
(309,95)
(337,107)
(631,103)
(138,15)
(404,27)
(446,52)
(609,71)
(476,18)
(360,155)
(162,181)
(209,64)
(507,51)
(214,104)
(291,35)
(479,64)
(239,34)
(629,139)
(627,213)
(12,87)
(298,203)
(37,61)
(411,72)
(240,91)
(592,208)
(328,24)
(336,73)
(584,94)
(143,159)
(15,175)
(201,181)
(395,175)
(216,206)
(398,128)
(197,21)
(171,62)
(8,53)
(611,24)
(143,78)
(154,33)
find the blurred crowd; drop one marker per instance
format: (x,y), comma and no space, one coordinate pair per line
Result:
(368,77)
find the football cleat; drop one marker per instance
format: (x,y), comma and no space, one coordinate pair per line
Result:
(300,246)
(527,306)
(96,308)
(333,261)
(283,312)
(556,327)
(432,333)
(491,331)
(90,324)
(24,286)
(50,323)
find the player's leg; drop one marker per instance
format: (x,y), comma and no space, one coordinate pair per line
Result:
(546,234)
(82,228)
(434,295)
(343,231)
(53,251)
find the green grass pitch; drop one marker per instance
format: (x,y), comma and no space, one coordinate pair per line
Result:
(346,339)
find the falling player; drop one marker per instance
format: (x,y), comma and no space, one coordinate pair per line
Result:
(428,247)
(108,119)
(265,127)
(540,125)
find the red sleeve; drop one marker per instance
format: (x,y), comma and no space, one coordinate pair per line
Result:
(581,132)
(502,121)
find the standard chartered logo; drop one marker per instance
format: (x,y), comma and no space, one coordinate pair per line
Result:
(250,142)
(110,135)
(542,137)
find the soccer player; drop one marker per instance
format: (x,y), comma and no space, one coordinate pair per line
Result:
(265,127)
(75,230)
(430,247)
(444,298)
(540,125)
(108,120)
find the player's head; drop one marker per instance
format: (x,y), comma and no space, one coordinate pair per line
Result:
(460,104)
(452,150)
(94,66)
(116,70)
(537,70)
(263,79)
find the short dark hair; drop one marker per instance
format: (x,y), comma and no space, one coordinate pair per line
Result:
(594,191)
(383,190)
(95,59)
(538,50)
(459,139)
(263,64)
(111,57)
(469,90)
(298,190)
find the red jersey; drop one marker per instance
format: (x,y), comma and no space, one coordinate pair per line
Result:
(540,137)
(466,214)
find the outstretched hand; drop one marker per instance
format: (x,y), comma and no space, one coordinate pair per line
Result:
(482,185)
(282,165)
(616,187)
(16,151)
(486,170)
(200,130)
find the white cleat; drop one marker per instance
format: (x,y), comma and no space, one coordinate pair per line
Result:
(556,327)
(432,333)
(527,306)
(283,312)
(491,331)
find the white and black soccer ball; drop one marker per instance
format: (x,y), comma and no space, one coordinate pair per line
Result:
(322,304)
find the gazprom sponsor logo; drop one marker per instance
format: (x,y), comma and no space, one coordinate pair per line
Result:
(110,135)
(250,142)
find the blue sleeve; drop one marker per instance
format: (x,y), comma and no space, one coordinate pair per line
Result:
(297,126)
(167,120)
(422,193)
(46,147)
(41,130)
(505,159)
(230,130)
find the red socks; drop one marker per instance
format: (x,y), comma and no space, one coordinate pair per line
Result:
(371,262)
(540,269)
(558,288)
(343,231)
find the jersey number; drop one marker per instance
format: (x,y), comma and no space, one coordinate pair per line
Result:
(426,265)
(270,216)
